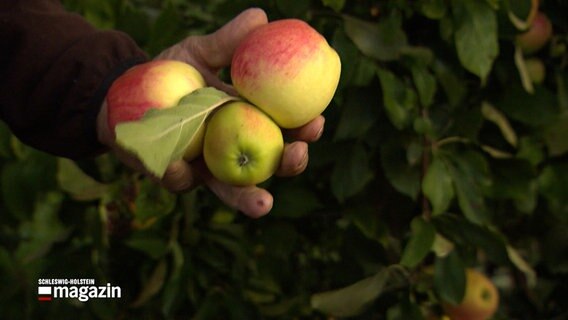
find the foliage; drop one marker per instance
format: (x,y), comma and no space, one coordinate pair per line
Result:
(436,156)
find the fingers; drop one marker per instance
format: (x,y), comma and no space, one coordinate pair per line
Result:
(216,50)
(250,200)
(309,132)
(179,176)
(294,159)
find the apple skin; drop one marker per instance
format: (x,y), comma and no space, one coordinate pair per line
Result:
(287,69)
(537,36)
(536,70)
(480,301)
(155,84)
(242,145)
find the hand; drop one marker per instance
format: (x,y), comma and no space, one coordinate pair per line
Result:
(209,54)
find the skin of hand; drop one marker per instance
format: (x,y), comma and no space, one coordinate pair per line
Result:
(209,54)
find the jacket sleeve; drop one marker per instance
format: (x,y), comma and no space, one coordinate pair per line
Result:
(55,70)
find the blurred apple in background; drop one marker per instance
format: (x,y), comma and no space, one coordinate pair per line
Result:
(538,34)
(480,301)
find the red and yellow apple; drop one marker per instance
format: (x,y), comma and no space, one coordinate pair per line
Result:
(480,301)
(287,69)
(242,145)
(155,84)
(538,34)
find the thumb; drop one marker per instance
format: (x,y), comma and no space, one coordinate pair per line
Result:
(216,50)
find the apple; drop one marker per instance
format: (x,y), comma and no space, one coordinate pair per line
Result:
(155,84)
(536,37)
(287,69)
(480,301)
(242,145)
(536,70)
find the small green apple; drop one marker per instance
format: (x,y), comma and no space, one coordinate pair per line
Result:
(155,84)
(287,69)
(242,145)
(480,301)
(536,37)
(536,70)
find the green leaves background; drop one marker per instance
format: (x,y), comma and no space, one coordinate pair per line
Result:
(440,160)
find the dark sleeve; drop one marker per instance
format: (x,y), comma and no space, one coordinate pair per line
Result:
(55,70)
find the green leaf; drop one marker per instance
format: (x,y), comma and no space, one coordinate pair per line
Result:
(347,51)
(351,173)
(79,185)
(535,110)
(556,135)
(359,114)
(152,286)
(166,30)
(425,83)
(398,99)
(153,247)
(562,85)
(442,246)
(433,9)
(520,62)
(364,71)
(403,176)
(469,174)
(24,181)
(437,186)
(135,21)
(366,220)
(43,230)
(100,14)
(475,36)
(531,149)
(382,41)
(336,5)
(450,278)
(293,9)
(420,243)
(518,12)
(497,117)
(453,86)
(553,183)
(353,299)
(406,310)
(162,135)
(523,266)
(467,234)
(153,201)
(294,200)
(513,178)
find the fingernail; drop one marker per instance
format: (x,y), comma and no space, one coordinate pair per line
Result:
(302,164)
(320,132)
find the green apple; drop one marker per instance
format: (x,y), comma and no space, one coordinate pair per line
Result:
(242,145)
(155,84)
(287,69)
(480,301)
(536,37)
(536,70)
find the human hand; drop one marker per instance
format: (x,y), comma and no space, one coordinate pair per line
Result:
(209,54)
